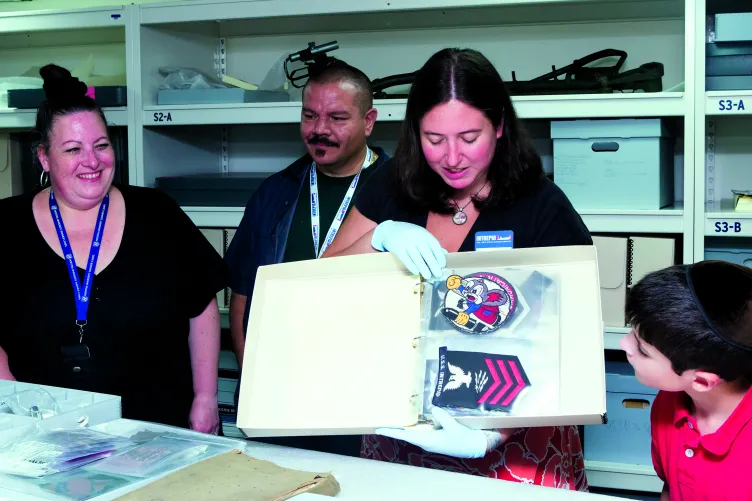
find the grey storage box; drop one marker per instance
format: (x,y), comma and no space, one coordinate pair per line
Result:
(736,82)
(728,49)
(31,99)
(721,66)
(623,164)
(220,96)
(728,66)
(733,27)
(212,190)
(625,438)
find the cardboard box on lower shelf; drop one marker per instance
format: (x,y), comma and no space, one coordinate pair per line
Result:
(626,438)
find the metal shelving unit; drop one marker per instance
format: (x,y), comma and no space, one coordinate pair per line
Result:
(173,140)
(722,149)
(35,38)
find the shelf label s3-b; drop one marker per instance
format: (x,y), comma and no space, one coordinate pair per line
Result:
(728,227)
(731,105)
(160,116)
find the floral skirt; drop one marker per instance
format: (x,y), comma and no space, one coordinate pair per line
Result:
(547,456)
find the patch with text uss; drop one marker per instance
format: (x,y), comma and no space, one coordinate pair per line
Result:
(481,381)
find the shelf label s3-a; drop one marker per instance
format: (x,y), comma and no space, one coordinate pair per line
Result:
(728,226)
(731,105)
(162,116)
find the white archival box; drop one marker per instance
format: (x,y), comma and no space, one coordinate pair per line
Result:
(332,344)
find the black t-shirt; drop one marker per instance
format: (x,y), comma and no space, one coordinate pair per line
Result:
(544,218)
(165,272)
(332,191)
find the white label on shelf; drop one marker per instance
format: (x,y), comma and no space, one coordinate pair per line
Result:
(162,116)
(731,104)
(727,227)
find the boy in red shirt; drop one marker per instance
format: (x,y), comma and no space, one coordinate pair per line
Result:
(692,340)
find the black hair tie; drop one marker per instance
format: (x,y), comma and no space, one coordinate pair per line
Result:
(61,88)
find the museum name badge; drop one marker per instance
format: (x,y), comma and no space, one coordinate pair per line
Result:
(491,240)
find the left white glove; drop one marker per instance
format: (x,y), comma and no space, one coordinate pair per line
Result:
(415,246)
(452,439)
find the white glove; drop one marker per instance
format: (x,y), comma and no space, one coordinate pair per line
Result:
(453,439)
(419,251)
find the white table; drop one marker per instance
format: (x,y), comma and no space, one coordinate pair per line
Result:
(368,480)
(359,479)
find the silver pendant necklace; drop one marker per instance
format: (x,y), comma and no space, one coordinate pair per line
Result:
(459,217)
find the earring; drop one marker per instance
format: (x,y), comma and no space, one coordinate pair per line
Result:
(43,178)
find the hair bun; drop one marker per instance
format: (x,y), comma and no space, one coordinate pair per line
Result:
(60,87)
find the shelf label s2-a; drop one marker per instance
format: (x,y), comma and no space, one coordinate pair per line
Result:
(162,116)
(728,227)
(731,104)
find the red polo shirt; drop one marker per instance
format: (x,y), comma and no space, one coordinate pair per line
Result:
(697,468)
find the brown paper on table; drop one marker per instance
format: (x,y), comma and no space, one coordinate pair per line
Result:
(235,476)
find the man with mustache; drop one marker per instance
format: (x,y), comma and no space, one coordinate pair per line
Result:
(296,213)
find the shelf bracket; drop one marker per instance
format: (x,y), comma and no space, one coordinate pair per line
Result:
(710,162)
(220,59)
(224,155)
(220,65)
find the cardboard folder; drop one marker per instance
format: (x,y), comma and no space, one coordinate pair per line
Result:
(331,344)
(622,262)
(648,254)
(612,266)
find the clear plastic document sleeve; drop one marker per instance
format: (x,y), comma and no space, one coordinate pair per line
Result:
(505,338)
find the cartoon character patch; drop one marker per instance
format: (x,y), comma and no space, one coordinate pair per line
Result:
(478,303)
(474,380)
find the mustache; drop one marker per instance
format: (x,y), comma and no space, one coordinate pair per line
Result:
(322,140)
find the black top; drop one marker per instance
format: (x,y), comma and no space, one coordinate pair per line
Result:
(164,273)
(267,233)
(544,218)
(332,191)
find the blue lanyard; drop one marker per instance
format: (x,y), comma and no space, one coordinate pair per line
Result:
(82,294)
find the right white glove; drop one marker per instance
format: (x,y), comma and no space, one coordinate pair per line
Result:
(451,439)
(416,247)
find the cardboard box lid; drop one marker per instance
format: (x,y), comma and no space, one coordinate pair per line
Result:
(621,128)
(331,344)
